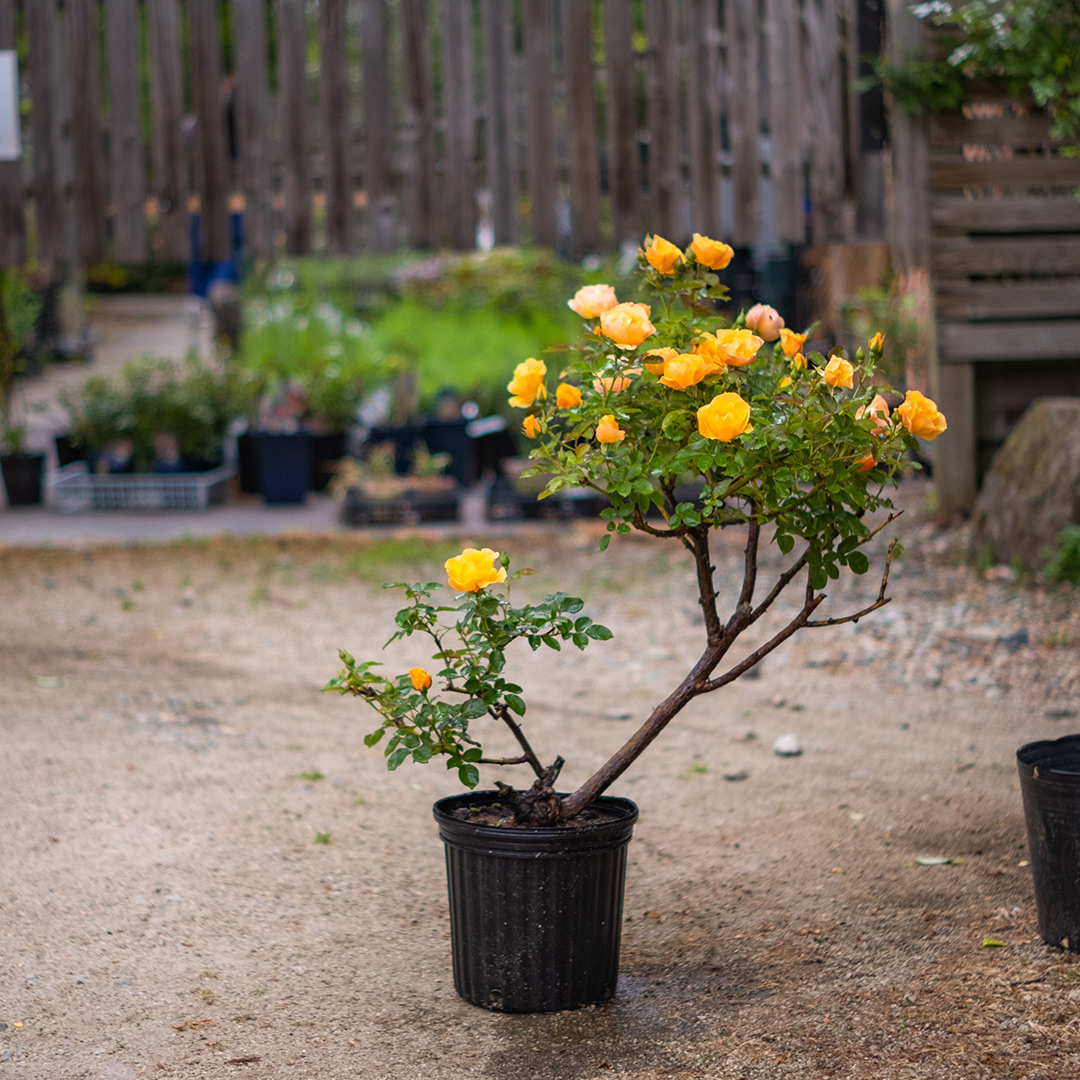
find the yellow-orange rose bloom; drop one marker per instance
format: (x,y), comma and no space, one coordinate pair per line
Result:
(876,342)
(920,416)
(662,255)
(420,679)
(608,431)
(714,254)
(567,396)
(531,426)
(591,300)
(611,384)
(528,381)
(791,342)
(765,321)
(726,417)
(878,411)
(627,324)
(708,348)
(865,464)
(686,369)
(838,372)
(798,362)
(738,347)
(474,570)
(663,355)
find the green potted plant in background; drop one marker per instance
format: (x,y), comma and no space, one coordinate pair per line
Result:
(22,471)
(793,451)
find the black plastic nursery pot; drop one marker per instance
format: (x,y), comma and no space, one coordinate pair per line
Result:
(283,463)
(535,913)
(22,478)
(1050,786)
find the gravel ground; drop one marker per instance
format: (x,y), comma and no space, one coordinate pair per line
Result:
(206,874)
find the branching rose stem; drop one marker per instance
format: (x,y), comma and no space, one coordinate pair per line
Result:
(504,760)
(501,712)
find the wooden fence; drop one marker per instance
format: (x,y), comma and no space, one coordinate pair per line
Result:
(988,208)
(362,125)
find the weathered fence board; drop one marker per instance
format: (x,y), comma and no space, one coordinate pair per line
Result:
(784,64)
(964,256)
(540,121)
(43,32)
(702,116)
(171,171)
(382,205)
(212,179)
(744,118)
(500,157)
(1012,214)
(987,300)
(253,124)
(88,190)
(1015,342)
(418,125)
(663,98)
(12,197)
(293,114)
(624,163)
(1021,172)
(334,90)
(584,160)
(459,123)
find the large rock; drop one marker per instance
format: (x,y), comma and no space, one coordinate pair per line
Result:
(1032,488)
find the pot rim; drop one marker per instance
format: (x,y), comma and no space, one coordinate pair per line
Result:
(1042,754)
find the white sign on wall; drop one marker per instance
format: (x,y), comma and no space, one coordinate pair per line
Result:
(9,105)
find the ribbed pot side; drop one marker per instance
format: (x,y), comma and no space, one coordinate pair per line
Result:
(1050,786)
(535,914)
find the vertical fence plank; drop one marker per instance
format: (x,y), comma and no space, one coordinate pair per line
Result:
(822,72)
(89,168)
(12,198)
(624,161)
(459,118)
(171,158)
(663,124)
(584,156)
(292,109)
(540,121)
(744,119)
(785,120)
(418,125)
(702,44)
(499,144)
(126,166)
(334,91)
(42,29)
(382,203)
(252,124)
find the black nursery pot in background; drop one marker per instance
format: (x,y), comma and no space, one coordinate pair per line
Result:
(283,464)
(22,478)
(1050,786)
(535,913)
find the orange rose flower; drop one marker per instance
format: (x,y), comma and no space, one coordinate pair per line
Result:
(608,431)
(791,342)
(662,255)
(865,464)
(920,416)
(838,372)
(664,355)
(765,321)
(798,362)
(708,348)
(725,418)
(611,384)
(592,300)
(878,411)
(876,343)
(685,370)
(567,396)
(531,426)
(474,569)
(627,325)
(738,347)
(714,254)
(528,381)
(420,679)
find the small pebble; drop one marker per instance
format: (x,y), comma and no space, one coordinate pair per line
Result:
(742,774)
(787,746)
(618,714)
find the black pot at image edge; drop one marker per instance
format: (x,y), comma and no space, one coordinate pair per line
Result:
(535,913)
(1050,787)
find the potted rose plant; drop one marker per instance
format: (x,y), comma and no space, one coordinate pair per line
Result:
(793,449)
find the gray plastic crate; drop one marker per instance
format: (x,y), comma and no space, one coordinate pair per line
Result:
(74,489)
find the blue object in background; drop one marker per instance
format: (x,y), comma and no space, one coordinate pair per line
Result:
(201,275)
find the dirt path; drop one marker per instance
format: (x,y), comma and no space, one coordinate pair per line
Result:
(167,909)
